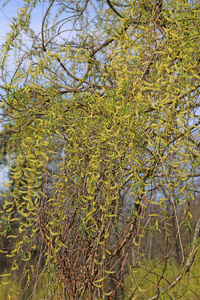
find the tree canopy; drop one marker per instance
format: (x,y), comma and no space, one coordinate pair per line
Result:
(100,115)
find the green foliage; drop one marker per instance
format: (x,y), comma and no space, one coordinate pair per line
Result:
(101,134)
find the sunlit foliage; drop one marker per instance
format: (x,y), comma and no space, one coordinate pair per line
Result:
(101,135)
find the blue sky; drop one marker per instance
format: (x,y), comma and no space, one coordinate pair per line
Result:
(6,14)
(10,10)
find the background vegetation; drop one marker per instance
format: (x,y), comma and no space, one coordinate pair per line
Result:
(100,131)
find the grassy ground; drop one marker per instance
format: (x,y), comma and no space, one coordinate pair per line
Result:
(161,274)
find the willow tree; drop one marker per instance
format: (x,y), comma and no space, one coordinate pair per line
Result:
(101,135)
